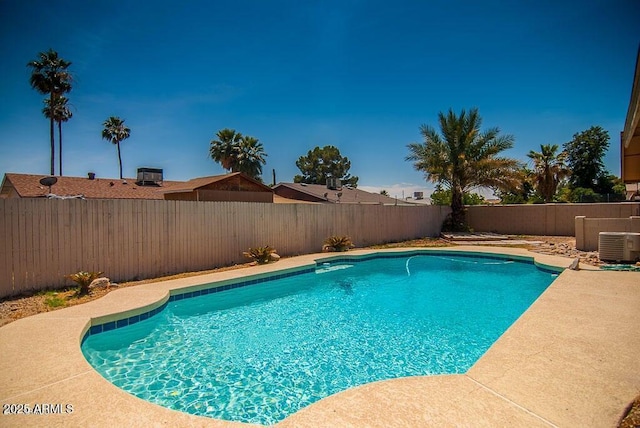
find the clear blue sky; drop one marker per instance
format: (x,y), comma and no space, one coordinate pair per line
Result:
(360,75)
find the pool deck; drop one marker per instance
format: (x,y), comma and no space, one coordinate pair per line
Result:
(572,359)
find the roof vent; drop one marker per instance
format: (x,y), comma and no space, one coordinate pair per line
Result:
(149,177)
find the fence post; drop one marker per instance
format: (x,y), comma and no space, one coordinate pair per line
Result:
(580,232)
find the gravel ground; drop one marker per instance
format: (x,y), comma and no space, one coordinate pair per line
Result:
(14,308)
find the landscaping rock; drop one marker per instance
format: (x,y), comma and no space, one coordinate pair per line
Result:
(567,250)
(100,282)
(575,264)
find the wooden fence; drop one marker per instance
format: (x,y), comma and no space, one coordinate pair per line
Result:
(41,240)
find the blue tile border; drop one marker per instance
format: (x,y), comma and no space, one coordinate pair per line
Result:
(356,258)
(111,325)
(504,257)
(99,328)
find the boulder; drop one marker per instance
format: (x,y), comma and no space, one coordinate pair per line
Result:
(273,257)
(100,282)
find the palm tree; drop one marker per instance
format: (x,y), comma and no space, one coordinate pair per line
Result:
(50,76)
(222,150)
(550,170)
(462,158)
(238,153)
(115,131)
(59,112)
(249,157)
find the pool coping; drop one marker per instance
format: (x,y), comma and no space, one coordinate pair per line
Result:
(577,337)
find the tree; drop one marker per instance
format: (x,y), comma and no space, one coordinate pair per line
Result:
(585,154)
(59,112)
(521,190)
(607,188)
(443,197)
(238,153)
(115,132)
(462,158)
(611,188)
(50,76)
(222,150)
(322,163)
(549,170)
(250,157)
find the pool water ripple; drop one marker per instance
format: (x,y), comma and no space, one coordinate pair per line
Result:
(262,352)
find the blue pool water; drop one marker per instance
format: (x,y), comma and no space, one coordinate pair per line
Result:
(261,352)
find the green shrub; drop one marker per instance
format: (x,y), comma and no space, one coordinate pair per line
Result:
(443,197)
(260,255)
(337,243)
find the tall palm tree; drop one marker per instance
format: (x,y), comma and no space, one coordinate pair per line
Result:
(238,153)
(550,170)
(462,157)
(250,157)
(115,132)
(50,76)
(59,112)
(224,148)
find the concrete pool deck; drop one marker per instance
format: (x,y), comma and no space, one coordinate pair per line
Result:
(572,359)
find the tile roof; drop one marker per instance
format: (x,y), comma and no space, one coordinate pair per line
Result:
(347,195)
(28,186)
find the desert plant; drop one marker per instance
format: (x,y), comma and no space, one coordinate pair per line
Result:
(83,279)
(260,255)
(337,243)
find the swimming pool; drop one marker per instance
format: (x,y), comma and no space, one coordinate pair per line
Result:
(259,353)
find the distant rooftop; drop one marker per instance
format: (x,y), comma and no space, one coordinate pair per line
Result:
(344,195)
(28,186)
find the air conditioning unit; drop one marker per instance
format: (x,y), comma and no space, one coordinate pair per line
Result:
(149,177)
(619,246)
(333,183)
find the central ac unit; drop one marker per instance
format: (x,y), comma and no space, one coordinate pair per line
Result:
(619,246)
(333,183)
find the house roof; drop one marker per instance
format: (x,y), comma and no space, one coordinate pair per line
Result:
(277,199)
(196,183)
(28,186)
(344,195)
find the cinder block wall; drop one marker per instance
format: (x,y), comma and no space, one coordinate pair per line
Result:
(588,229)
(543,219)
